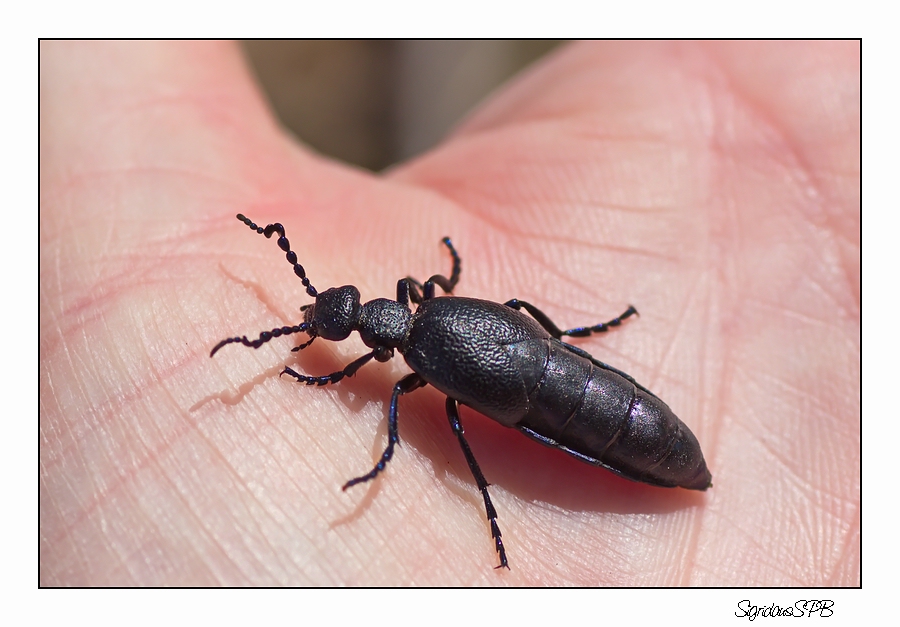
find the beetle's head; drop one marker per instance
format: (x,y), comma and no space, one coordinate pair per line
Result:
(334,314)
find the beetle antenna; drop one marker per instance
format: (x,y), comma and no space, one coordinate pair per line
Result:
(264,337)
(284,245)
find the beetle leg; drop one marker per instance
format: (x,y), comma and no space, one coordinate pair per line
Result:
(603,326)
(405,385)
(456,425)
(409,289)
(417,292)
(438,279)
(334,377)
(555,331)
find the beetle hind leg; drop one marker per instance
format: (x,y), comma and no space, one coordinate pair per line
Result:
(456,425)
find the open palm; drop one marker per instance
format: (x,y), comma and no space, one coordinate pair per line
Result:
(714,186)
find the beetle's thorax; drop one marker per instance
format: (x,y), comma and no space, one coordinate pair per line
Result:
(383,322)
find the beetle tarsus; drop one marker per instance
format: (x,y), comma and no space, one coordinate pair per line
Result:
(419,292)
(405,385)
(558,333)
(334,377)
(481,482)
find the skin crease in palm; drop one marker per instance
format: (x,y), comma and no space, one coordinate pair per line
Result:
(713,185)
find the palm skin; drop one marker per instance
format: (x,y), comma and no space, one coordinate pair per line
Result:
(713,185)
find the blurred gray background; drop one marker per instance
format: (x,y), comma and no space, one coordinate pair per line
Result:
(376,102)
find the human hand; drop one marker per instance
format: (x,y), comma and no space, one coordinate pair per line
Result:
(713,185)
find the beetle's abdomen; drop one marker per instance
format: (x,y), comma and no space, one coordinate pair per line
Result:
(603,418)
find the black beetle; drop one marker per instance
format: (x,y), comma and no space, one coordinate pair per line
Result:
(506,365)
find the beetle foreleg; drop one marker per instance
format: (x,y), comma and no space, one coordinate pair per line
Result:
(456,425)
(405,385)
(555,331)
(409,289)
(334,377)
(427,290)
